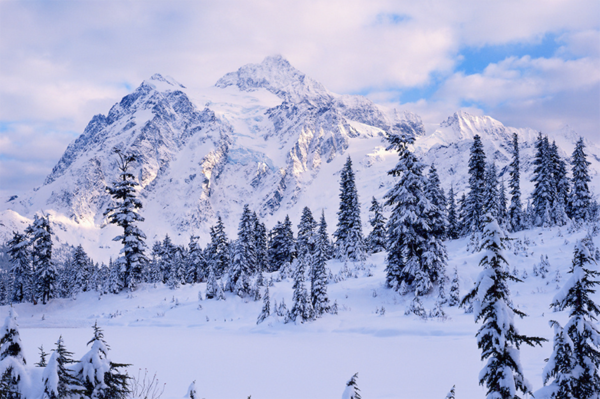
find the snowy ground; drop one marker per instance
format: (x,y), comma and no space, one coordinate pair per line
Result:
(221,347)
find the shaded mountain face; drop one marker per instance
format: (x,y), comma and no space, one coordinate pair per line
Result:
(266,135)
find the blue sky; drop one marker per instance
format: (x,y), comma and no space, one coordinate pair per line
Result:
(528,64)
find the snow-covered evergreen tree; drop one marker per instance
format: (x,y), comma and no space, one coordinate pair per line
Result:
(218,251)
(266,309)
(475,201)
(454,299)
(491,194)
(453,222)
(101,378)
(318,284)
(238,280)
(580,194)
(352,391)
(302,309)
(376,238)
(58,380)
(42,363)
(281,245)
(515,212)
(43,265)
(307,231)
(82,270)
(560,366)
(191,392)
(452,393)
(435,194)
(580,330)
(498,337)
(561,186)
(544,192)
(12,359)
(261,244)
(502,205)
(125,214)
(349,241)
(20,259)
(416,255)
(196,266)
(324,236)
(246,240)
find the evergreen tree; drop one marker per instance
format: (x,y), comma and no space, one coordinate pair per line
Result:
(498,337)
(19,255)
(167,258)
(266,309)
(580,195)
(281,246)
(125,214)
(301,310)
(560,366)
(452,393)
(191,392)
(12,360)
(219,251)
(376,239)
(58,380)
(239,275)
(307,230)
(211,283)
(544,191)
(438,219)
(453,222)
(177,269)
(196,271)
(474,210)
(515,213)
(101,378)
(318,284)
(82,270)
(454,299)
(324,236)
(42,363)
(349,241)
(43,266)
(463,216)
(584,375)
(262,248)
(246,241)
(416,255)
(491,195)
(502,206)
(115,282)
(352,391)
(560,186)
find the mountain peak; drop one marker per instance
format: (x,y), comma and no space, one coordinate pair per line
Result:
(163,83)
(278,76)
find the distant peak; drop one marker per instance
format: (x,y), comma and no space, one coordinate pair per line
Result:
(278,76)
(163,83)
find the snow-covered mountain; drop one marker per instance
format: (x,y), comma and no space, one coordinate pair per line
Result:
(266,135)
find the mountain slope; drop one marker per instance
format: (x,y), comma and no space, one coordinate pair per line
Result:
(266,135)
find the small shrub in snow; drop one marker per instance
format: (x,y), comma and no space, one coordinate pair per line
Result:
(352,391)
(191,392)
(416,308)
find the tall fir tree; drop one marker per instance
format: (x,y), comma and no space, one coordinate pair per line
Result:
(474,210)
(502,205)
(498,337)
(238,280)
(544,191)
(246,239)
(435,194)
(453,222)
(196,266)
(100,377)
(262,246)
(82,270)
(560,187)
(20,259)
(349,241)
(491,194)
(307,231)
(280,248)
(125,214)
(376,238)
(44,268)
(515,212)
(302,309)
(582,370)
(219,251)
(416,255)
(324,236)
(318,283)
(581,197)
(266,309)
(560,366)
